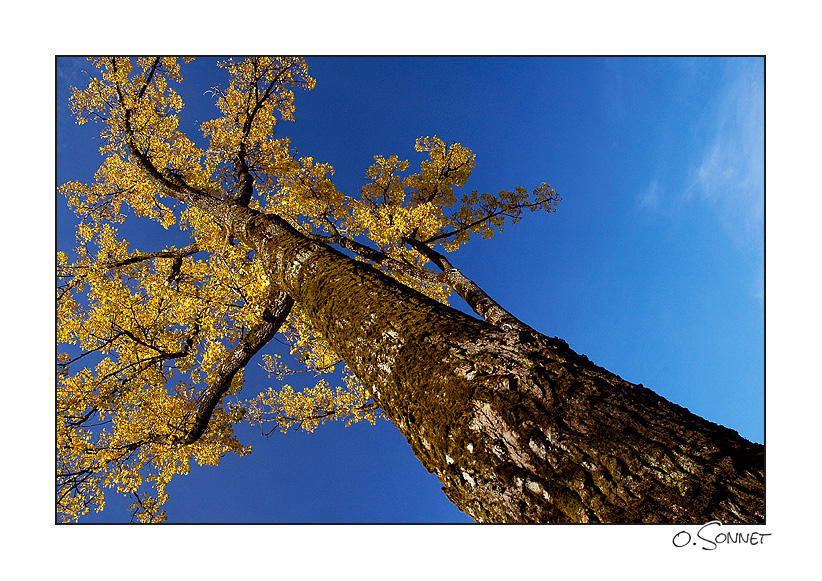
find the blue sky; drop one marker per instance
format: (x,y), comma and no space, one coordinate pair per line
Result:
(652,266)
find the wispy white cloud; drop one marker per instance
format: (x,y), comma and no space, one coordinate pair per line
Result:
(730,172)
(719,163)
(650,197)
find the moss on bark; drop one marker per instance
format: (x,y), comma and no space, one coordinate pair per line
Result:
(516,425)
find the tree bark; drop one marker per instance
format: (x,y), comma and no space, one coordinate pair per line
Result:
(516,425)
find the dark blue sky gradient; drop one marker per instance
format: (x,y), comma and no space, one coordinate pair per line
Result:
(652,266)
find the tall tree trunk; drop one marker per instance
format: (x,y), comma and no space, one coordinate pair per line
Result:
(516,425)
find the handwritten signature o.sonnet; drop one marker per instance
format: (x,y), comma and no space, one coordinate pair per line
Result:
(711,538)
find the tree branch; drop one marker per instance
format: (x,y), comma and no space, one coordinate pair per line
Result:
(178,253)
(245,180)
(274,316)
(163,179)
(504,211)
(469,291)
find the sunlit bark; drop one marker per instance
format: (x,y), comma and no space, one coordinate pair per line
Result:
(516,425)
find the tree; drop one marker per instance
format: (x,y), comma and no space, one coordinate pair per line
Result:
(516,425)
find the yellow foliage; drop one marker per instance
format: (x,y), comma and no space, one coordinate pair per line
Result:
(142,333)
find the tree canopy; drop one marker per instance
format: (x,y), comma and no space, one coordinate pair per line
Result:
(151,341)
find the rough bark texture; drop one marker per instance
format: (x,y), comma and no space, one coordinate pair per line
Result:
(516,425)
